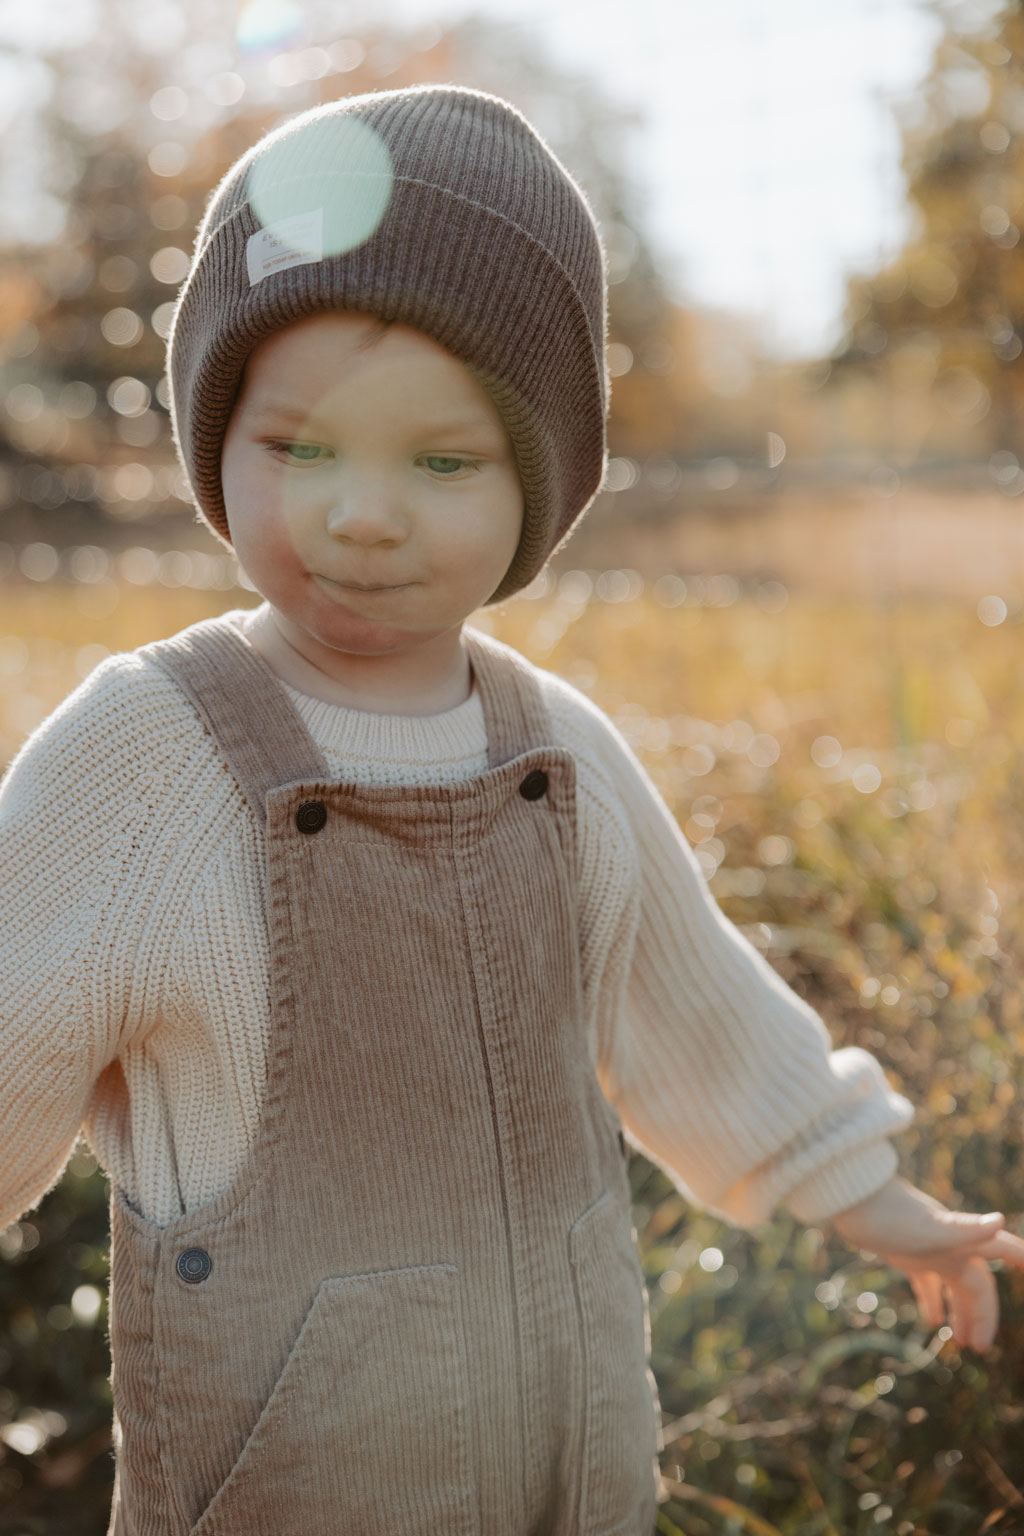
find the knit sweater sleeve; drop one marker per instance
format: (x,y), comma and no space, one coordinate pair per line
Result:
(721,1074)
(79,869)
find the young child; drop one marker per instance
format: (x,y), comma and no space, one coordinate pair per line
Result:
(356,939)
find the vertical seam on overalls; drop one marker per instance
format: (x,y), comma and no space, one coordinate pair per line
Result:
(584,1380)
(161,1414)
(482,1034)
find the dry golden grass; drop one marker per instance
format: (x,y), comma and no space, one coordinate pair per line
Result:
(851,776)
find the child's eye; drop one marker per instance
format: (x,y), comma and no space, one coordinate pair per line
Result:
(297,453)
(443,464)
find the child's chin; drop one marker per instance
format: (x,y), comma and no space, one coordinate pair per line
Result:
(362,634)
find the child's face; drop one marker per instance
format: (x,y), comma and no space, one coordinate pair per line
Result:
(371,491)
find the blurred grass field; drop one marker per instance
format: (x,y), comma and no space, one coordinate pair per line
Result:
(851,777)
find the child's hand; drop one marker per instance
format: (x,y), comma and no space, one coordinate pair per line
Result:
(943,1252)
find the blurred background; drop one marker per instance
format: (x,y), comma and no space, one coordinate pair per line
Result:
(799,594)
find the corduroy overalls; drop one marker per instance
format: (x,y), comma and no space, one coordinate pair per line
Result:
(419,1306)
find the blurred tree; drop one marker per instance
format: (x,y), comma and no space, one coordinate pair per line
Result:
(87,286)
(940,327)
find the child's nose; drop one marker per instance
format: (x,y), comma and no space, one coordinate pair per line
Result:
(364,511)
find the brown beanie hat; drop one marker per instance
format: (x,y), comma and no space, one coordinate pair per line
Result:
(436,207)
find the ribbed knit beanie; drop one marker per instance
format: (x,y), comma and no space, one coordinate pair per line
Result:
(436,207)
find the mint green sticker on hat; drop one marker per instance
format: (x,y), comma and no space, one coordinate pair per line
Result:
(337,164)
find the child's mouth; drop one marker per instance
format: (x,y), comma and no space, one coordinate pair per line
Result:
(351,586)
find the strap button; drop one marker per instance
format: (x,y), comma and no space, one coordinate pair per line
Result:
(534,785)
(193,1265)
(311,816)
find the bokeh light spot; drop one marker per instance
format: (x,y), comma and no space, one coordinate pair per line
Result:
(160,320)
(722,591)
(776,850)
(575,588)
(698,760)
(168,103)
(225,89)
(169,264)
(826,751)
(346,54)
(995,138)
(77,400)
(620,359)
(662,473)
(117,274)
(721,474)
(266,24)
(963,394)
(994,220)
(128,396)
(771,596)
(314,63)
(285,70)
(138,566)
(670,591)
(618,586)
(88,563)
(24,402)
(922,795)
(866,778)
(39,562)
(86,1301)
(121,327)
(764,750)
(132,482)
(621,475)
(935,283)
(169,211)
(168,158)
(25,1438)
(992,611)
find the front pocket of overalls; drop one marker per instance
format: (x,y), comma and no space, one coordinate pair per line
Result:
(619,1433)
(367,1427)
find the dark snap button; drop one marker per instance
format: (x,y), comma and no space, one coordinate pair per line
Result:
(311,816)
(534,785)
(194,1264)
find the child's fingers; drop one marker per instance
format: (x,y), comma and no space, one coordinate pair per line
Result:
(947,1261)
(974,1305)
(927,1289)
(969,1289)
(1005,1246)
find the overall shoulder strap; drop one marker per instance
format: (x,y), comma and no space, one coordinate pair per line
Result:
(515,714)
(243,705)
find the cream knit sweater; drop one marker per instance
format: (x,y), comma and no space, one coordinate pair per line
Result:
(134,999)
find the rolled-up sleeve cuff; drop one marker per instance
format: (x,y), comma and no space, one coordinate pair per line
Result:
(851,1178)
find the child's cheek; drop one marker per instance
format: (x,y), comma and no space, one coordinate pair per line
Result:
(264,536)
